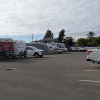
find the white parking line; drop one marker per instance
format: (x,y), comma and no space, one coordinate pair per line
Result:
(91,70)
(89,81)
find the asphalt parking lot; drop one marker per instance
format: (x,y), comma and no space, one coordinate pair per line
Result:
(53,77)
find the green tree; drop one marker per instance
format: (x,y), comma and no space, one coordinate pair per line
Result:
(69,41)
(48,34)
(96,41)
(61,35)
(90,36)
(82,42)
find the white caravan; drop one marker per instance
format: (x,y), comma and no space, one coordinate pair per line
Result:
(59,46)
(19,48)
(56,47)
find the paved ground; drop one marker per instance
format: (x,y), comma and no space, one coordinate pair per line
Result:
(53,77)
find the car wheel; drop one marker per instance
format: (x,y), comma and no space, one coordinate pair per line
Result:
(36,55)
(98,62)
(25,53)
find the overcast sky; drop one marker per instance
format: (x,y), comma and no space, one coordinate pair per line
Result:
(21,18)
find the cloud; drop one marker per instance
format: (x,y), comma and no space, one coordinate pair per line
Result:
(24,17)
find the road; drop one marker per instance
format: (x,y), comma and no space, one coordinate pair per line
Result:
(53,77)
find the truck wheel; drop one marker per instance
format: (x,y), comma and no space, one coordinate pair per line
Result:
(36,55)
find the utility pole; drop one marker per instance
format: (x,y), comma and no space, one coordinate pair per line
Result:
(32,37)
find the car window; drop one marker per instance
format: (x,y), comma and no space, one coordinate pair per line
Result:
(28,48)
(34,48)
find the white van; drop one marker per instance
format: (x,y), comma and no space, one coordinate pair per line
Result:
(19,48)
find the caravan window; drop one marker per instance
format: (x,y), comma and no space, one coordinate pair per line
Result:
(20,46)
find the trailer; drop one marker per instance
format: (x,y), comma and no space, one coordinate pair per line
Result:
(59,46)
(6,47)
(12,48)
(19,48)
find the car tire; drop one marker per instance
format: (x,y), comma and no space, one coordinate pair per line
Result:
(25,53)
(36,55)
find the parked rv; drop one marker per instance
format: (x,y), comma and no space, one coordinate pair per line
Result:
(12,48)
(19,48)
(59,46)
(53,48)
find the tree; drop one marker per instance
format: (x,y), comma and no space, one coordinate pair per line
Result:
(82,42)
(96,41)
(48,34)
(61,35)
(69,41)
(90,36)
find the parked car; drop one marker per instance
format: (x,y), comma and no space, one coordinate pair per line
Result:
(40,46)
(87,48)
(33,51)
(93,55)
(74,49)
(81,49)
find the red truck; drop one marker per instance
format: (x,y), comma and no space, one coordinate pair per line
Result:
(6,47)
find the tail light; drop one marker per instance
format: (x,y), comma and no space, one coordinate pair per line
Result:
(88,52)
